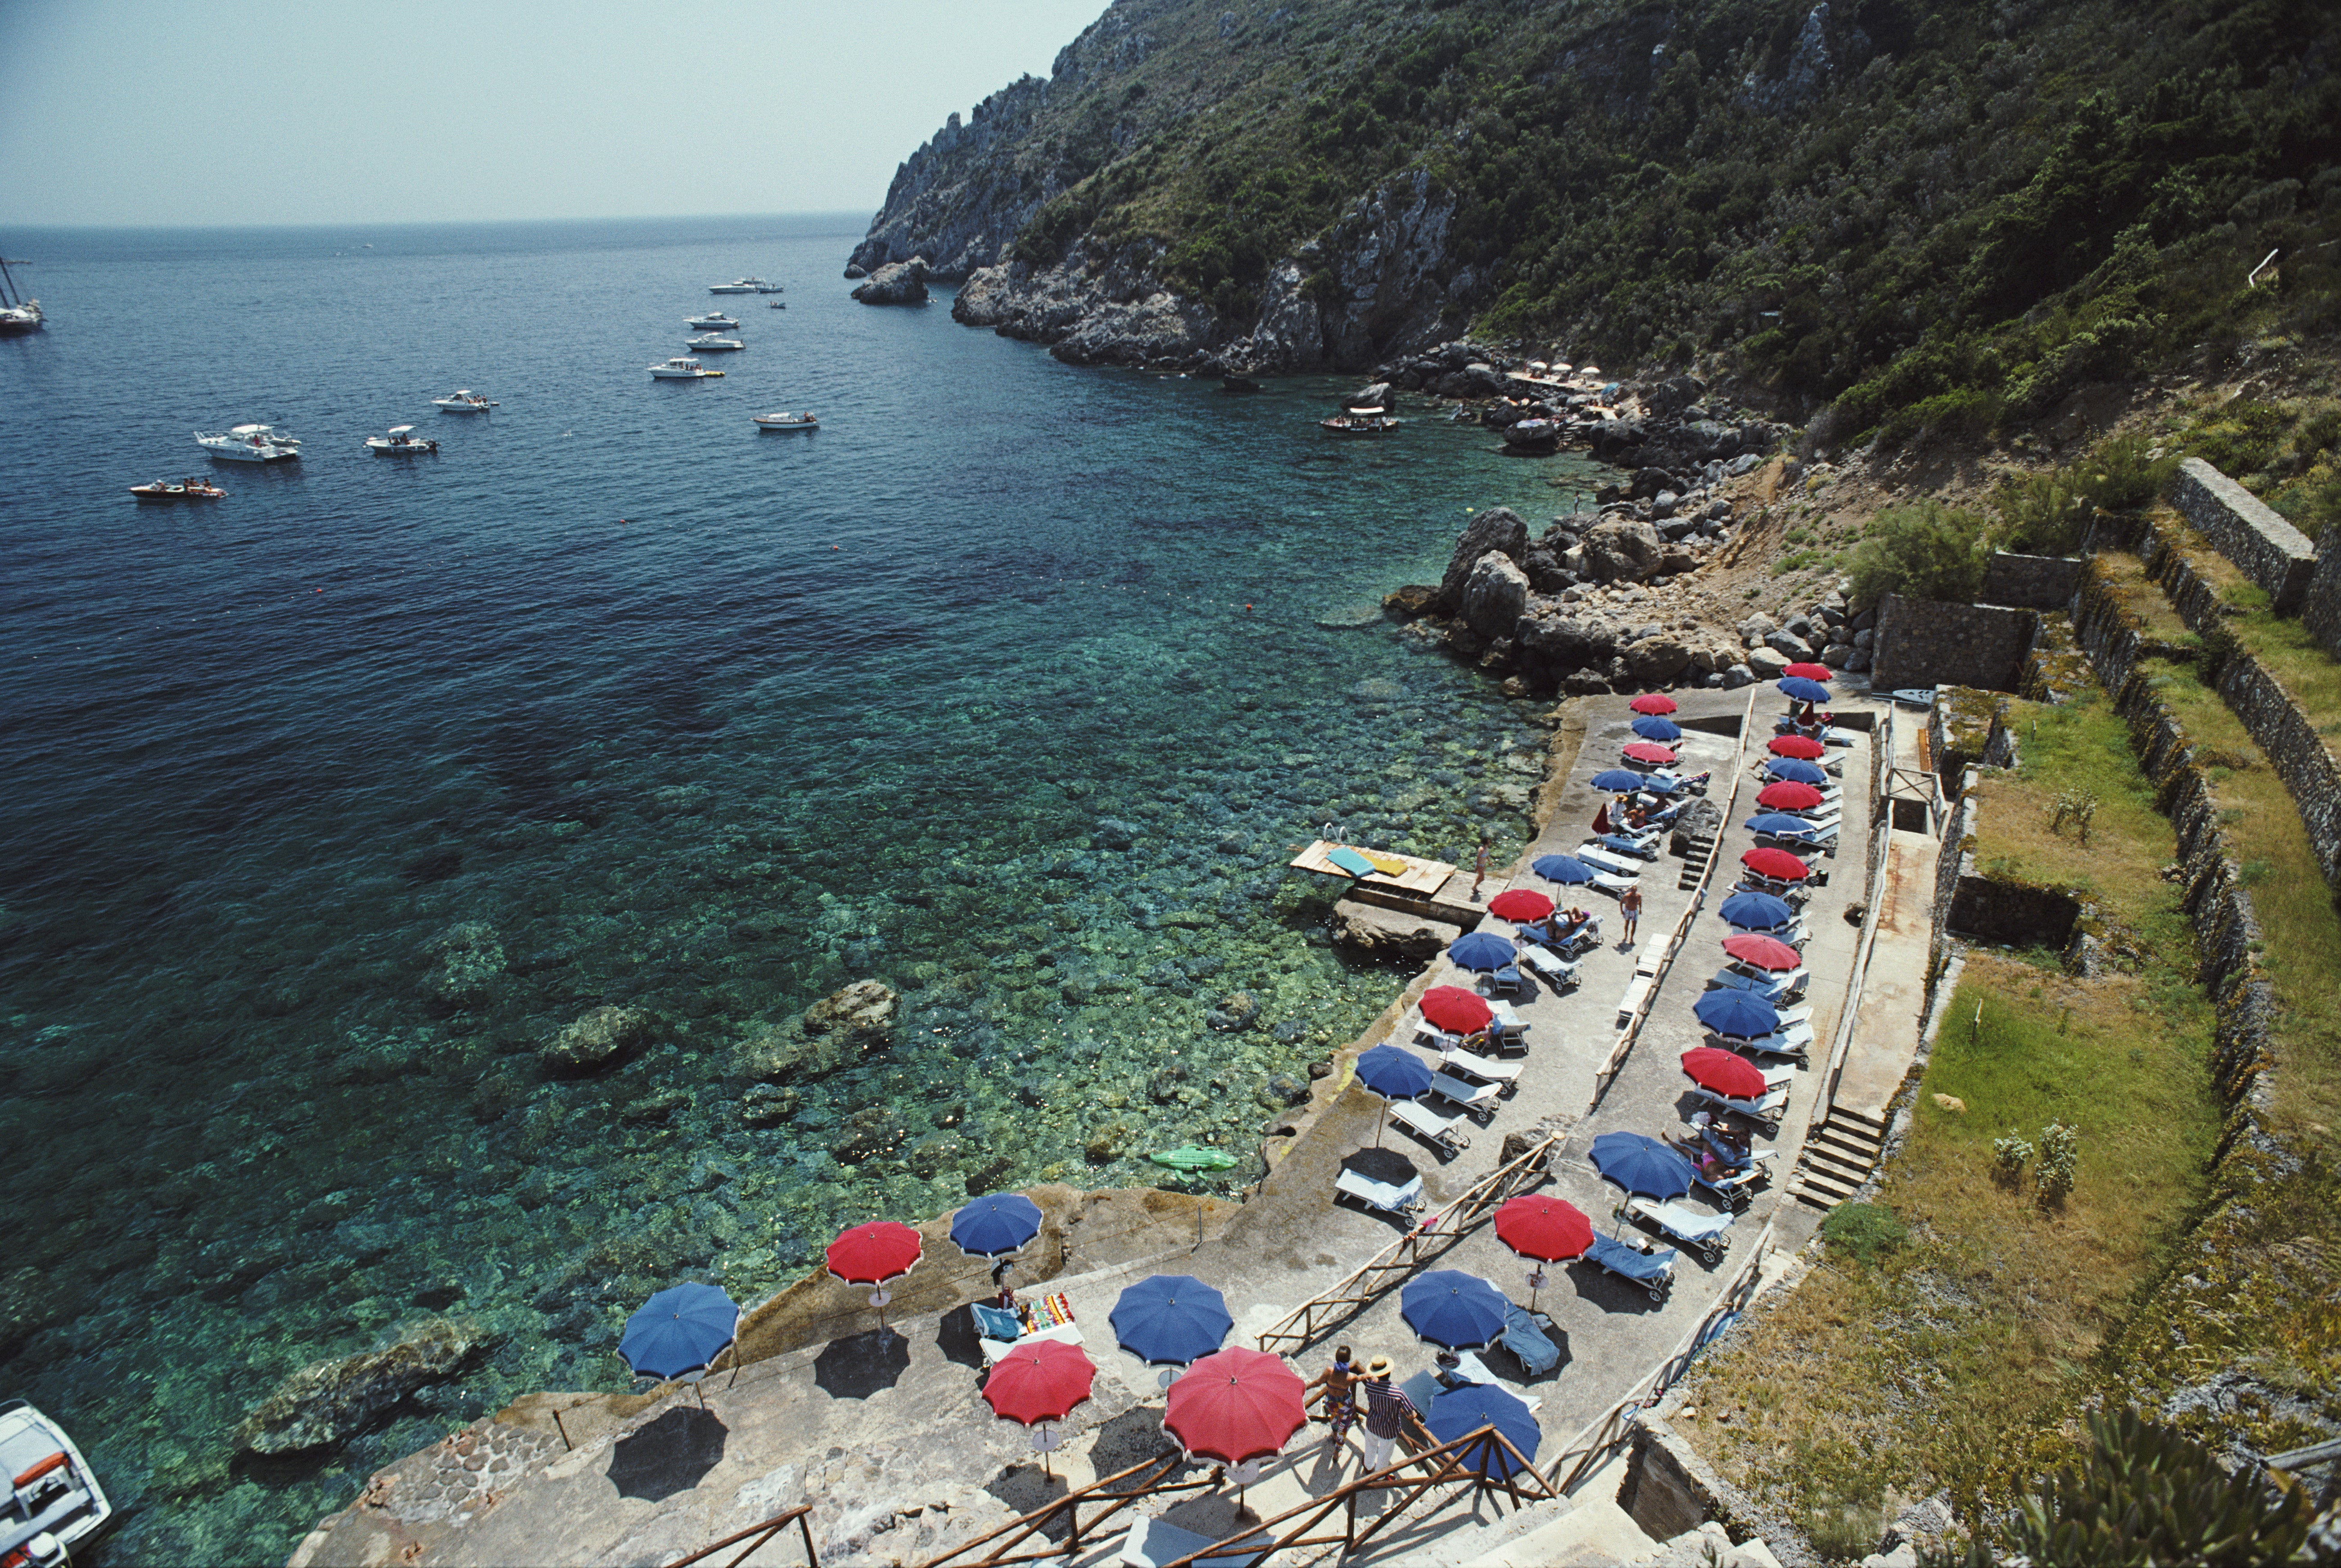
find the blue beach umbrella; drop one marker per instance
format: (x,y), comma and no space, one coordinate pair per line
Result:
(1641,1163)
(1395,1075)
(1797,770)
(1621,780)
(1737,1015)
(1482,950)
(1459,1412)
(995,1225)
(1567,869)
(1800,689)
(1170,1317)
(1651,727)
(1755,912)
(1449,1307)
(680,1329)
(1781,825)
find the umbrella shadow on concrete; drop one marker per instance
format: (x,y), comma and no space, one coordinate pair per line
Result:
(1026,1489)
(672,1453)
(1381,1165)
(1131,1438)
(1611,1293)
(957,1338)
(857,1365)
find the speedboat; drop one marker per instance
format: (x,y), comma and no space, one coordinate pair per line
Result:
(681,369)
(250,444)
(464,402)
(55,1502)
(401,442)
(744,286)
(806,420)
(1360,421)
(710,322)
(184,489)
(706,341)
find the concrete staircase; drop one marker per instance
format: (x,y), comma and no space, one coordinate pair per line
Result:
(1696,852)
(1837,1159)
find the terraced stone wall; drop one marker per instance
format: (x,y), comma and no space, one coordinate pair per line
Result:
(2277,721)
(1922,643)
(2030,581)
(2247,530)
(2320,611)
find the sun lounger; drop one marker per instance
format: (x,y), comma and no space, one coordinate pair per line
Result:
(1474,1099)
(1642,848)
(1151,1543)
(1771,988)
(1732,1189)
(1427,1033)
(1504,982)
(1549,967)
(1379,1194)
(1826,841)
(1482,1068)
(993,1349)
(1609,860)
(1793,894)
(1765,1112)
(1653,1271)
(997,1323)
(1525,1338)
(1612,884)
(1444,1133)
(1707,1234)
(1789,1040)
(1577,940)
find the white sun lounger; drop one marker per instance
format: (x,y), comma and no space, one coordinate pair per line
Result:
(1507,1027)
(1482,1068)
(1707,1234)
(1380,1195)
(1444,1133)
(1549,965)
(1609,860)
(1787,1040)
(1614,885)
(1474,1098)
(993,1349)
(1771,988)
(1765,1112)
(1427,1033)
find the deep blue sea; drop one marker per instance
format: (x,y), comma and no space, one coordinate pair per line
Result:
(330,803)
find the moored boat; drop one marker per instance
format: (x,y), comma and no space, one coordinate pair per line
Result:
(785,420)
(1360,421)
(706,343)
(18,315)
(181,490)
(744,286)
(463,402)
(250,444)
(55,1503)
(682,369)
(400,442)
(714,321)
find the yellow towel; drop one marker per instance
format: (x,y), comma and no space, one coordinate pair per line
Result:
(1388,865)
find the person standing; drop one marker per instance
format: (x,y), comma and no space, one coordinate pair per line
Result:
(1480,872)
(1339,1383)
(1630,909)
(1387,1408)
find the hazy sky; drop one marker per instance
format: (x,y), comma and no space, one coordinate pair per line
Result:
(174,112)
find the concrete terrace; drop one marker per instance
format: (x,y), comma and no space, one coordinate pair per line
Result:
(887,1437)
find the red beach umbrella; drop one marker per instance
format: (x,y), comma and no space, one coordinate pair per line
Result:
(1520,904)
(1788,795)
(1038,1382)
(1544,1228)
(1455,1009)
(1764,952)
(1807,671)
(874,1252)
(1725,1072)
(1776,864)
(1650,751)
(1653,702)
(1236,1404)
(1803,747)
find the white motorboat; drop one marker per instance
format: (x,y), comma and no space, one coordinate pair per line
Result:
(682,369)
(806,420)
(401,443)
(705,341)
(744,286)
(55,1503)
(464,402)
(190,489)
(250,444)
(714,321)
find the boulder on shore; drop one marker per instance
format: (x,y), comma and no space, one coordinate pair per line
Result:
(1498,528)
(328,1401)
(896,284)
(1374,932)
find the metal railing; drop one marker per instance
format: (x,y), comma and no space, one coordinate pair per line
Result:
(800,1516)
(1441,1229)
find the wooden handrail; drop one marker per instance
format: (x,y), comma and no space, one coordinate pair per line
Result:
(763,1533)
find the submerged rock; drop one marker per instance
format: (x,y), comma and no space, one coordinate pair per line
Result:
(466,962)
(863,1011)
(840,1027)
(329,1400)
(596,1038)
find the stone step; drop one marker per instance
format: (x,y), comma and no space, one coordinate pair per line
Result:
(1820,1191)
(1845,1142)
(1858,1119)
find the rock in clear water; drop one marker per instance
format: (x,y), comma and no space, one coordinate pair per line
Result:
(863,1012)
(596,1038)
(328,1401)
(465,963)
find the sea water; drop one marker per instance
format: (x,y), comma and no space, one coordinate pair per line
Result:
(1014,686)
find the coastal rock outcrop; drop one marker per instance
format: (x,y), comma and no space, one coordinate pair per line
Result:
(896,284)
(328,1401)
(595,1037)
(1498,529)
(1098,306)
(1371,931)
(841,1027)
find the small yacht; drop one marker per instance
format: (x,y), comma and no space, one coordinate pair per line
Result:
(744,286)
(713,321)
(806,420)
(464,402)
(681,369)
(181,490)
(707,342)
(400,442)
(250,444)
(18,315)
(55,1503)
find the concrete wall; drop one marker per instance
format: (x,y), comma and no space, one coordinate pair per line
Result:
(2241,526)
(2031,581)
(2320,611)
(1921,643)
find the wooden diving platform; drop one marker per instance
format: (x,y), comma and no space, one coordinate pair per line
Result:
(1407,882)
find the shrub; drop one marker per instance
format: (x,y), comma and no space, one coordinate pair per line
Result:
(1863,1230)
(2146,1495)
(2060,1154)
(1929,551)
(2010,1155)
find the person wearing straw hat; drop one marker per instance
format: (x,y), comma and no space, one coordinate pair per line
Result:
(1387,1409)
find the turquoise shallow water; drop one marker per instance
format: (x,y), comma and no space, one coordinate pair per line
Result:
(330,803)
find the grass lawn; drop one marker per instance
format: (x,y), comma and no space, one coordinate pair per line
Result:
(1949,1360)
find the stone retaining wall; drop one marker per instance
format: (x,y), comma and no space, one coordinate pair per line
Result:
(2031,581)
(2275,719)
(2247,530)
(1922,643)
(2320,610)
